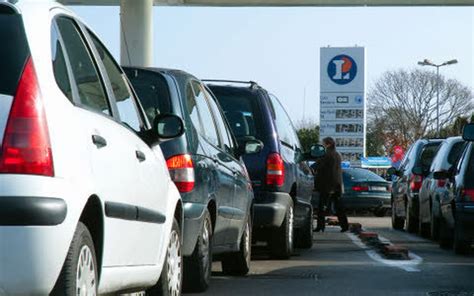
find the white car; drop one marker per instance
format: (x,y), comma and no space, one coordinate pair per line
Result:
(86,202)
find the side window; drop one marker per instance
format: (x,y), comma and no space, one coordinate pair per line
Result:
(90,89)
(192,109)
(123,96)
(59,64)
(209,129)
(283,123)
(226,140)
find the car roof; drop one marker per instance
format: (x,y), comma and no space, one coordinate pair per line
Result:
(167,71)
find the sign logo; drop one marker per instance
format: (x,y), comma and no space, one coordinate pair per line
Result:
(342,69)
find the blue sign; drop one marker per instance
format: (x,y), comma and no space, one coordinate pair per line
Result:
(342,69)
(376,162)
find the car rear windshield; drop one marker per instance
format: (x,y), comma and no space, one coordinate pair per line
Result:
(428,154)
(360,175)
(456,152)
(242,111)
(152,90)
(14,51)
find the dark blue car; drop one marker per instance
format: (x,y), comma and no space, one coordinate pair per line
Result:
(205,164)
(281,178)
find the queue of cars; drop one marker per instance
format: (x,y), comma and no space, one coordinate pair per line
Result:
(114,184)
(433,191)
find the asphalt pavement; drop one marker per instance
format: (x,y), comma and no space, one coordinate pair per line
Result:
(339,264)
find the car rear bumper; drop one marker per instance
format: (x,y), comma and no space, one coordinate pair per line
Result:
(366,202)
(270,209)
(38,217)
(193,219)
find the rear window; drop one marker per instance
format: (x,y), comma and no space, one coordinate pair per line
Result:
(428,154)
(152,90)
(14,52)
(456,152)
(468,175)
(360,175)
(241,110)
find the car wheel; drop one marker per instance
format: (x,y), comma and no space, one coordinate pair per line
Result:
(460,245)
(197,267)
(79,274)
(304,238)
(445,237)
(281,243)
(170,281)
(380,212)
(239,263)
(434,226)
(411,223)
(397,222)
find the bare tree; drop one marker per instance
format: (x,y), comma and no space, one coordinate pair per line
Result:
(405,101)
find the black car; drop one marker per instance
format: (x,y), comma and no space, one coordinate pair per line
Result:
(432,189)
(457,206)
(281,178)
(205,164)
(365,190)
(407,183)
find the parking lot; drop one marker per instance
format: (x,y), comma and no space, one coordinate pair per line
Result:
(336,265)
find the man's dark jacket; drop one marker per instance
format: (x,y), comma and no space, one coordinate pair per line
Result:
(328,172)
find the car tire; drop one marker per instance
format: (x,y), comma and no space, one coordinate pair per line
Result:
(171,278)
(397,222)
(434,226)
(460,245)
(79,271)
(238,263)
(304,236)
(197,267)
(281,242)
(445,237)
(380,212)
(411,224)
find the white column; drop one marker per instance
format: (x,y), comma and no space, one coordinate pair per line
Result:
(136,32)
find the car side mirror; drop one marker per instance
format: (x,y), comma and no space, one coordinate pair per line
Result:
(317,151)
(253,146)
(439,175)
(418,171)
(168,126)
(468,132)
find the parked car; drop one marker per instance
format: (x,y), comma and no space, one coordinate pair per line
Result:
(365,190)
(206,165)
(281,178)
(457,205)
(408,179)
(81,211)
(432,189)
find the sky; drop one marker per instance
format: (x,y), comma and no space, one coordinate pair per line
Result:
(279,47)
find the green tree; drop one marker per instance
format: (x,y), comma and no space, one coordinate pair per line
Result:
(308,133)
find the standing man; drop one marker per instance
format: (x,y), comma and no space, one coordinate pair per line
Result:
(328,182)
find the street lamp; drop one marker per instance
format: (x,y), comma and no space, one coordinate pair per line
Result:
(427,62)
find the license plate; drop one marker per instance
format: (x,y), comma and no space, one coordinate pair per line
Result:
(378,188)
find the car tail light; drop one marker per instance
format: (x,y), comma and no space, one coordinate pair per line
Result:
(275,170)
(441,182)
(181,170)
(467,194)
(360,188)
(415,182)
(26,147)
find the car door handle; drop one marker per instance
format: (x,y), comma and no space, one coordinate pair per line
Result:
(215,159)
(99,141)
(140,155)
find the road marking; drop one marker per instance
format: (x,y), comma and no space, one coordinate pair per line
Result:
(407,265)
